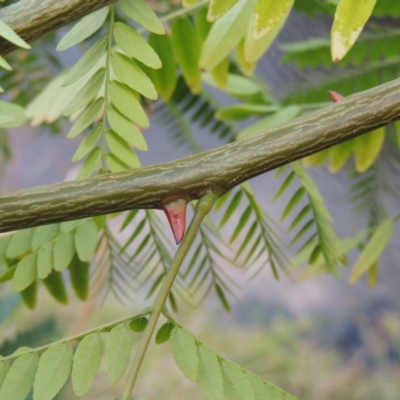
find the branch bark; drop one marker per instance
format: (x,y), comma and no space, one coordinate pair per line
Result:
(191,177)
(31,19)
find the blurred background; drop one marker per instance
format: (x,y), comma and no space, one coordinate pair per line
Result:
(320,338)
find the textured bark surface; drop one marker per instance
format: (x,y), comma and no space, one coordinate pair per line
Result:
(31,19)
(220,169)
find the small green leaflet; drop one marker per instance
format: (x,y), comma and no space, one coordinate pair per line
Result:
(236,385)
(268,14)
(43,234)
(83,29)
(25,273)
(86,363)
(7,33)
(88,143)
(79,274)
(13,115)
(55,285)
(4,367)
(184,350)
(118,350)
(164,332)
(225,34)
(135,46)
(63,251)
(350,18)
(53,371)
(138,324)
(90,164)
(4,64)
(140,12)
(19,379)
(367,148)
(373,250)
(20,243)
(86,239)
(218,8)
(120,149)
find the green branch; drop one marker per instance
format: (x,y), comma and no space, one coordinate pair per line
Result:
(191,177)
(31,19)
(203,207)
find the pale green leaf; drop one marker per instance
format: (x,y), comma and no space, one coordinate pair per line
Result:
(19,379)
(231,208)
(4,64)
(184,351)
(164,333)
(88,143)
(284,115)
(263,390)
(53,371)
(115,164)
(4,368)
(120,148)
(253,48)
(268,14)
(243,111)
(87,61)
(126,129)
(8,274)
(91,163)
(209,375)
(86,363)
(135,46)
(367,148)
(25,273)
(20,243)
(124,99)
(225,34)
(43,234)
(373,250)
(339,154)
(164,79)
(118,351)
(237,387)
(187,50)
(188,3)
(350,18)
(86,118)
(218,8)
(13,111)
(63,251)
(128,72)
(83,29)
(7,33)
(45,260)
(68,226)
(86,239)
(140,12)
(87,93)
(237,85)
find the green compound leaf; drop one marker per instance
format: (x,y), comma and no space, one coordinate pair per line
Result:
(87,93)
(184,350)
(218,8)
(7,33)
(140,12)
(83,29)
(225,34)
(55,285)
(138,324)
(86,239)
(373,250)
(209,375)
(19,379)
(236,385)
(86,363)
(90,164)
(118,351)
(53,371)
(164,79)
(187,50)
(25,273)
(268,14)
(45,260)
(63,251)
(126,129)
(20,243)
(86,118)
(135,46)
(164,332)
(125,101)
(87,61)
(120,149)
(129,73)
(88,143)
(79,275)
(350,18)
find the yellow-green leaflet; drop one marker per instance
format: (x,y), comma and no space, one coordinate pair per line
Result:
(268,14)
(350,18)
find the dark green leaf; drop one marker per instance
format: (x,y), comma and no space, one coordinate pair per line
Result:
(164,332)
(55,285)
(79,275)
(138,324)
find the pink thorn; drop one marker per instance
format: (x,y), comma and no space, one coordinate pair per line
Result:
(176,214)
(335,96)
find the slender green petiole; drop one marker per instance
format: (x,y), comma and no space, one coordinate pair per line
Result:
(203,207)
